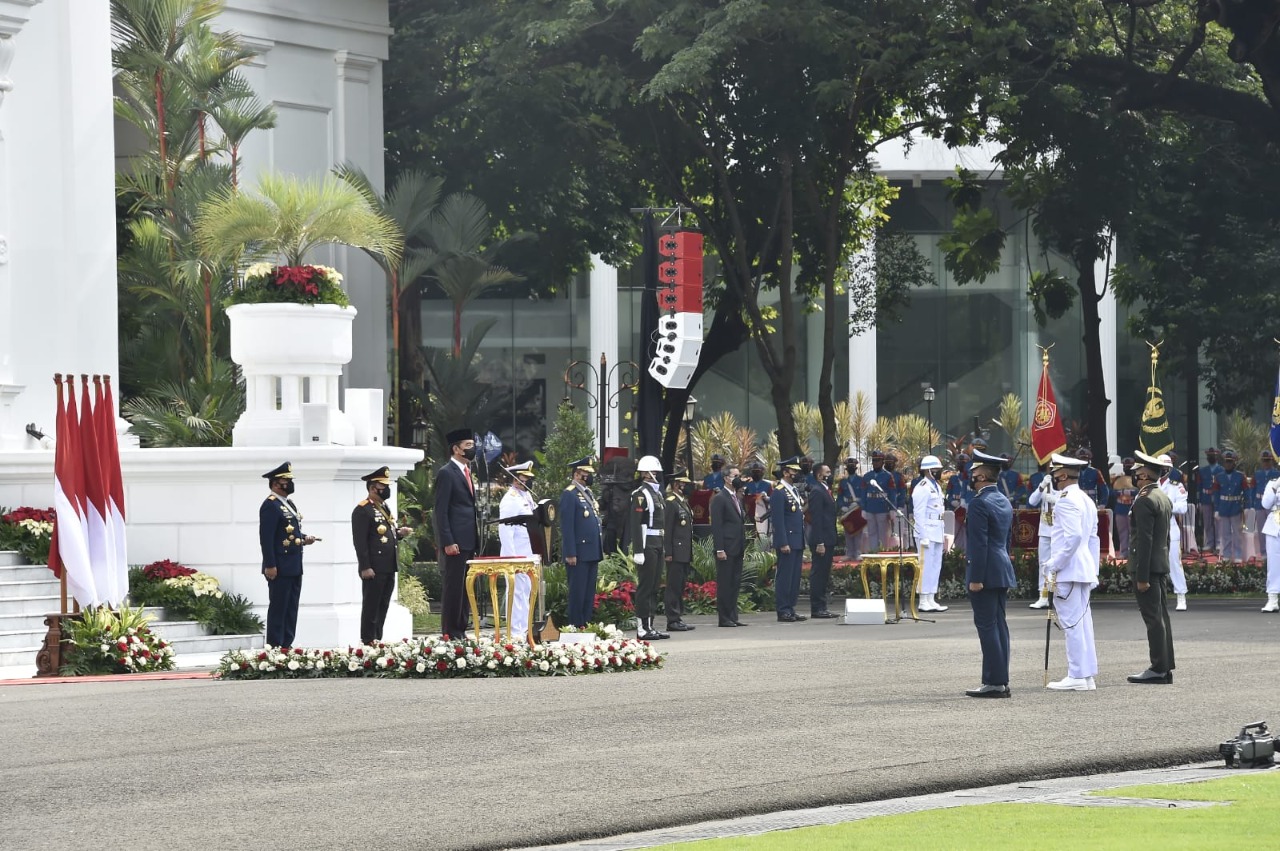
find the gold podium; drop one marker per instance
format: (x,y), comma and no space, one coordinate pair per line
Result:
(508,567)
(896,561)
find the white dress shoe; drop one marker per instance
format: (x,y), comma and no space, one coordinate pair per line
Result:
(1273,603)
(1070,684)
(1182,603)
(1042,603)
(1093,686)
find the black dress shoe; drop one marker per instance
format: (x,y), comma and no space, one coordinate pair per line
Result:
(989,691)
(824,615)
(680,626)
(787,618)
(727,625)
(740,623)
(796,617)
(1150,677)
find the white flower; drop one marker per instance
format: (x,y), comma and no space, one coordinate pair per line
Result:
(441,650)
(544,665)
(319,664)
(462,664)
(491,664)
(257,270)
(105,648)
(293,665)
(263,666)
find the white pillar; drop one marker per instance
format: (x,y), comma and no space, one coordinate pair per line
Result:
(863,361)
(604,337)
(1107,334)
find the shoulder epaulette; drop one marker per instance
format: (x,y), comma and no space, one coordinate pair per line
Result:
(363,503)
(271,497)
(671,499)
(569,488)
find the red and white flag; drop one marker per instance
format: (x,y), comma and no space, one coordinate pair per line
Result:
(70,549)
(109,447)
(1047,434)
(101,548)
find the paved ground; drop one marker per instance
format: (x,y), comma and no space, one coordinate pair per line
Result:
(774,717)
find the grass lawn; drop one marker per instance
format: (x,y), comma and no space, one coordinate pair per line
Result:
(428,623)
(1248,821)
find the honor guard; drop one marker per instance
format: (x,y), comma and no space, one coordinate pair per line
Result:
(1205,475)
(927,508)
(516,516)
(1073,572)
(714,480)
(281,537)
(1152,517)
(1228,505)
(1043,497)
(580,541)
(959,494)
(645,536)
(848,500)
(376,537)
(1091,481)
(1263,476)
(1270,502)
(1124,492)
(899,496)
(877,503)
(758,489)
(677,545)
(1010,483)
(786,519)
(1177,493)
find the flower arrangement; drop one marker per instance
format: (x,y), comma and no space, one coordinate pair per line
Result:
(441,658)
(616,603)
(700,599)
(199,584)
(158,571)
(29,531)
(105,642)
(310,284)
(187,594)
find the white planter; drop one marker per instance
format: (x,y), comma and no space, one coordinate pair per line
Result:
(291,355)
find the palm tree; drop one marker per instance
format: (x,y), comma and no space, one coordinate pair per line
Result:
(288,217)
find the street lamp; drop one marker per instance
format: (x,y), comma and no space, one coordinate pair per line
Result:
(929,395)
(689,406)
(419,434)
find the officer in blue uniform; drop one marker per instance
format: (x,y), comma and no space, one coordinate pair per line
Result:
(959,494)
(281,537)
(1033,481)
(758,484)
(714,480)
(898,493)
(1262,477)
(1092,483)
(877,503)
(1206,474)
(989,573)
(1125,492)
(1010,483)
(850,496)
(580,542)
(786,520)
(1228,505)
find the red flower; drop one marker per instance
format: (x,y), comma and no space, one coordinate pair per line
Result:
(298,651)
(459,651)
(368,663)
(359,652)
(442,666)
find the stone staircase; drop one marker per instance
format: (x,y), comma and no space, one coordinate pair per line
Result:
(28,593)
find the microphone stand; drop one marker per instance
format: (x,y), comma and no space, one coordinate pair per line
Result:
(898,616)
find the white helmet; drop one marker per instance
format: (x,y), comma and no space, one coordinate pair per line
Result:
(649,464)
(930,462)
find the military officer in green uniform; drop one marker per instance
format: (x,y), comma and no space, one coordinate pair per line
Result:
(677,543)
(281,538)
(376,537)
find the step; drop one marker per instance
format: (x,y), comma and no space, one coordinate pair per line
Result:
(171,631)
(25,573)
(34,605)
(18,638)
(216,644)
(25,622)
(10,557)
(12,657)
(39,587)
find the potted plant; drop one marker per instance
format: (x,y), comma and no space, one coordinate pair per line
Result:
(291,320)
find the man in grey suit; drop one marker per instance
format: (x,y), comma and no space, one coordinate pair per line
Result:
(1149,565)
(989,572)
(729,537)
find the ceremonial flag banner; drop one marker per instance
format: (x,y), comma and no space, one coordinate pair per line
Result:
(112,479)
(71,533)
(1154,436)
(101,549)
(1275,420)
(1047,434)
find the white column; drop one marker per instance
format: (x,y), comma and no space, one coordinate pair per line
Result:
(813,331)
(863,361)
(604,335)
(1107,334)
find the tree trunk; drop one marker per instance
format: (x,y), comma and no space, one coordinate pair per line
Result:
(412,366)
(1096,397)
(782,374)
(394,280)
(1192,379)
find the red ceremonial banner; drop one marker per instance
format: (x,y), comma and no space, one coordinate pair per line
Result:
(700,502)
(1047,433)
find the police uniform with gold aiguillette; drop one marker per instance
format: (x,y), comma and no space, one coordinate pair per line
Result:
(280,535)
(677,545)
(375,536)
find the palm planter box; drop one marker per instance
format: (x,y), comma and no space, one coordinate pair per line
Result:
(291,355)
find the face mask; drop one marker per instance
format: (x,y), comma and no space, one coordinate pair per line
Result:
(853,471)
(383,492)
(716,466)
(288,486)
(588,480)
(757,475)
(806,468)
(469,454)
(826,480)
(686,489)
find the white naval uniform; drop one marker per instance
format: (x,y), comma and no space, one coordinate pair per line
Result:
(1044,499)
(1177,494)
(926,509)
(1074,565)
(515,542)
(1271,531)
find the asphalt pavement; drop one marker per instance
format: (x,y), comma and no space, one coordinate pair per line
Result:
(740,721)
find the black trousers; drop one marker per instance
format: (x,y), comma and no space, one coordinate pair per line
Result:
(648,573)
(673,600)
(453,594)
(1155,614)
(375,599)
(283,592)
(993,633)
(728,584)
(819,579)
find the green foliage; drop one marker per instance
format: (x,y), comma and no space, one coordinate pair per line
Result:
(570,439)
(415,505)
(225,614)
(195,412)
(900,268)
(101,641)
(427,575)
(972,251)
(413,595)
(231,614)
(1052,295)
(1248,438)
(459,397)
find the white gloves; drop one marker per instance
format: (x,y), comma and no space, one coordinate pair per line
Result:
(638,558)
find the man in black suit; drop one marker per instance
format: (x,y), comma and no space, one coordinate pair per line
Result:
(822,540)
(376,538)
(457,534)
(989,572)
(729,537)
(1149,521)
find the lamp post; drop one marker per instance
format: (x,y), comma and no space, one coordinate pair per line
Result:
(419,433)
(929,395)
(575,376)
(690,406)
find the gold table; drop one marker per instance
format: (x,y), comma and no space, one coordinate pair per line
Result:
(895,560)
(508,568)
